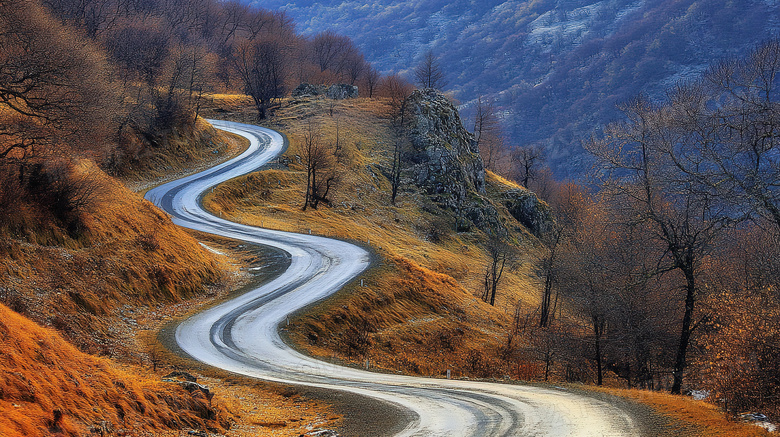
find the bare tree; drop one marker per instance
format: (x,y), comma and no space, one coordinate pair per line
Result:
(428,74)
(262,66)
(485,119)
(548,271)
(141,52)
(499,254)
(54,86)
(396,90)
(331,51)
(317,156)
(568,209)
(94,16)
(644,160)
(187,74)
(489,136)
(372,78)
(526,164)
(741,160)
(355,66)
(395,171)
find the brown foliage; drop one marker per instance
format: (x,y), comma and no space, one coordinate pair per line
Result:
(55,96)
(741,343)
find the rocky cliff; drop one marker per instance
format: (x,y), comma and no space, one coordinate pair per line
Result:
(444,156)
(445,162)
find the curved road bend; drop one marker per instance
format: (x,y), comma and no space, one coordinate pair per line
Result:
(242,336)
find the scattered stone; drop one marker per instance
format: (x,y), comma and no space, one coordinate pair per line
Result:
(339,91)
(187,382)
(323,433)
(102,428)
(181,375)
(760,420)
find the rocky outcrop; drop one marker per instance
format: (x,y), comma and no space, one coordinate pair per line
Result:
(309,90)
(444,156)
(445,162)
(338,91)
(341,91)
(529,210)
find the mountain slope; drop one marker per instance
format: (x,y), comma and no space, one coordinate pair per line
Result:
(557,69)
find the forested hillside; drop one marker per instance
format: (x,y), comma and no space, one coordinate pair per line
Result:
(556,69)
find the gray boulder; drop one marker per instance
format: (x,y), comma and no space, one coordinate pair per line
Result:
(529,210)
(342,91)
(444,161)
(308,90)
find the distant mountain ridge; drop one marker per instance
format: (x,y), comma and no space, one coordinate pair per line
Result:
(556,68)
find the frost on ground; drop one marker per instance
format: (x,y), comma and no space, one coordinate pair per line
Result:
(760,420)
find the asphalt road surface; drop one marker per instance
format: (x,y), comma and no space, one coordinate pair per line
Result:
(242,335)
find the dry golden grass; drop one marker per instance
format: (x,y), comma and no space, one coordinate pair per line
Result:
(705,418)
(50,388)
(418,311)
(129,253)
(184,151)
(128,272)
(262,410)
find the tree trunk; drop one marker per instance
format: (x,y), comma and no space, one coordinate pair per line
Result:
(544,319)
(308,189)
(685,335)
(598,330)
(396,171)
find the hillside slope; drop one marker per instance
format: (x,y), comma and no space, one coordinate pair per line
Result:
(556,69)
(107,286)
(126,254)
(47,387)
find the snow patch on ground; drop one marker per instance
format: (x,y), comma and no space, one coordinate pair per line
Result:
(684,73)
(760,420)
(211,249)
(559,25)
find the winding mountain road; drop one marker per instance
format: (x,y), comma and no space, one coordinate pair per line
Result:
(242,335)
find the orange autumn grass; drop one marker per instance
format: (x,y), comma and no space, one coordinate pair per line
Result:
(128,253)
(50,388)
(705,418)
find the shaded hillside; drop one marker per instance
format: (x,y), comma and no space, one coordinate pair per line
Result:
(557,69)
(123,252)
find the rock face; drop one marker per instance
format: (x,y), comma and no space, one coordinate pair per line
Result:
(444,156)
(446,163)
(338,91)
(308,90)
(527,209)
(341,91)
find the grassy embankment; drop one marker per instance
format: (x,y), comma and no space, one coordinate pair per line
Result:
(418,311)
